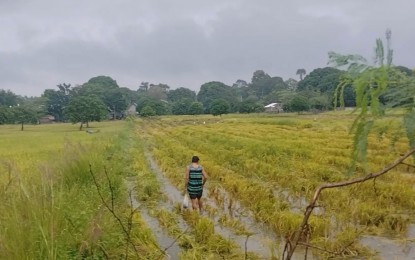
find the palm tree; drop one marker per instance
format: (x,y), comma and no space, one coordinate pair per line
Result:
(301,72)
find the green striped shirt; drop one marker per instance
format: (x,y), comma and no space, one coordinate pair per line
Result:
(195,184)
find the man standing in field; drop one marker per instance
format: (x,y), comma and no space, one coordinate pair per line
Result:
(194,181)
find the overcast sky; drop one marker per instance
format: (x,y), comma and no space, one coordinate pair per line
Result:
(185,43)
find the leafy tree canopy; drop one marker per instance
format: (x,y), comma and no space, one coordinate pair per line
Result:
(160,107)
(181,107)
(158,91)
(219,107)
(251,106)
(196,108)
(147,111)
(298,104)
(8,98)
(85,109)
(321,79)
(180,93)
(301,72)
(104,82)
(408,72)
(217,90)
(56,100)
(262,84)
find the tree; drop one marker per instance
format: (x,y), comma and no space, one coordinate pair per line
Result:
(104,82)
(259,75)
(301,72)
(240,84)
(250,106)
(325,81)
(181,93)
(56,100)
(115,101)
(24,115)
(292,84)
(158,106)
(219,107)
(217,90)
(262,84)
(107,89)
(143,87)
(196,108)
(6,115)
(158,91)
(181,107)
(85,109)
(370,83)
(408,72)
(299,104)
(147,111)
(8,98)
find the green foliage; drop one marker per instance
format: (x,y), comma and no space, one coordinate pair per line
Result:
(181,107)
(262,84)
(196,108)
(106,89)
(219,107)
(408,72)
(158,92)
(216,90)
(103,82)
(301,72)
(53,210)
(377,87)
(84,109)
(57,100)
(175,95)
(298,104)
(250,106)
(147,111)
(5,115)
(8,98)
(23,115)
(159,107)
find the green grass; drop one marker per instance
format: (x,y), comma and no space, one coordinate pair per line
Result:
(49,204)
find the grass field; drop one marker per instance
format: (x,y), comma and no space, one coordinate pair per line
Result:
(263,170)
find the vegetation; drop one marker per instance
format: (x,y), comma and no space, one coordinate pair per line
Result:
(49,201)
(66,194)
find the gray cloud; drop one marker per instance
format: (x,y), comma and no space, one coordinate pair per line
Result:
(187,43)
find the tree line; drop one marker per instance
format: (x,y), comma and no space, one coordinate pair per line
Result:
(101,98)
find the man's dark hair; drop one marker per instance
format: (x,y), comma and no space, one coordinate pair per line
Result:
(195,159)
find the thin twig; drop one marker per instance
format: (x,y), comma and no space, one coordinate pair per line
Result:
(246,246)
(408,164)
(374,186)
(297,235)
(111,209)
(316,247)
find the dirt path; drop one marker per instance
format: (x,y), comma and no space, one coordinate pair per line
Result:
(166,243)
(260,241)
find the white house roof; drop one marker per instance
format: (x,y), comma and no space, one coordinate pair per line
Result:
(271,105)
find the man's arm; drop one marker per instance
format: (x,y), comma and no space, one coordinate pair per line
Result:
(186,179)
(204,176)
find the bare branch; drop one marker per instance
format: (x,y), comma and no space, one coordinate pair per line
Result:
(291,245)
(127,230)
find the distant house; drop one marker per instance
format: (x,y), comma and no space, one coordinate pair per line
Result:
(274,108)
(48,119)
(131,110)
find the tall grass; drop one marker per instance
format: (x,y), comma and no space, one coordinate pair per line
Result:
(49,204)
(255,157)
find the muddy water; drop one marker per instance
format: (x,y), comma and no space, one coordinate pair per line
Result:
(257,243)
(392,249)
(263,241)
(163,240)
